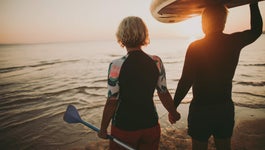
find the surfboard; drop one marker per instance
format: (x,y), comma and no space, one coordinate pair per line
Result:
(172,11)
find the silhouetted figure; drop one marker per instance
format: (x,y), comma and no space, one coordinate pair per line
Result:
(209,69)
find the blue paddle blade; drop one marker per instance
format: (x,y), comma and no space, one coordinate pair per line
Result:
(71,115)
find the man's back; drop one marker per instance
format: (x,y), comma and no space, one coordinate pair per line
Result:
(213,60)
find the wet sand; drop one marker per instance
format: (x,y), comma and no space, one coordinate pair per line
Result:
(249,132)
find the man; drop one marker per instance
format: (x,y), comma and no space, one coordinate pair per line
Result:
(209,69)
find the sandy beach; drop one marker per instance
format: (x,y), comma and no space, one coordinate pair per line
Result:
(249,132)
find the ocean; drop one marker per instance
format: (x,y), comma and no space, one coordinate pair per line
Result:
(38,81)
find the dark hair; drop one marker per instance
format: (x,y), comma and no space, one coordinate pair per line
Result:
(214,18)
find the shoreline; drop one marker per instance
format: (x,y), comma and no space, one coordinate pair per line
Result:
(249,131)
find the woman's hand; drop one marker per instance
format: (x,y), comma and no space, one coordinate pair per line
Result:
(102,134)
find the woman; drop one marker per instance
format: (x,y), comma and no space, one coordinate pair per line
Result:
(132,80)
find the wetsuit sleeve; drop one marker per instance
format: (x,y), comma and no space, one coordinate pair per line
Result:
(186,79)
(113,93)
(113,82)
(161,83)
(248,36)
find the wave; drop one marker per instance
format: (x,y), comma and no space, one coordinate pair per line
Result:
(262,83)
(172,62)
(255,106)
(258,65)
(242,103)
(34,108)
(100,80)
(113,55)
(10,69)
(246,75)
(20,97)
(30,114)
(250,103)
(6,85)
(76,90)
(41,64)
(251,94)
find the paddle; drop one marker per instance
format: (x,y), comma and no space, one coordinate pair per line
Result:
(72,116)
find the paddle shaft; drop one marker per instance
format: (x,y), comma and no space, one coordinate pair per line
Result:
(109,136)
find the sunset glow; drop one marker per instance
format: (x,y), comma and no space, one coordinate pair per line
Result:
(192,28)
(33,21)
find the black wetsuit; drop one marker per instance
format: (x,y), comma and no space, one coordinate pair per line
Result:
(209,68)
(133,80)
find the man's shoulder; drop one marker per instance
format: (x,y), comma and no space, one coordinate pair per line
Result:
(195,44)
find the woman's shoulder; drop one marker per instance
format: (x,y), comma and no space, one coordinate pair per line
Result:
(119,60)
(155,58)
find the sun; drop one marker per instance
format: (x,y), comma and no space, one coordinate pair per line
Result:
(191,28)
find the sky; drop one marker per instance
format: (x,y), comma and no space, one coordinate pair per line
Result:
(37,21)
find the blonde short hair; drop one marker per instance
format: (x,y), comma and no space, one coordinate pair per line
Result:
(214,18)
(132,32)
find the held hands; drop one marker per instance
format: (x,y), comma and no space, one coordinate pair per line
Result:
(174,117)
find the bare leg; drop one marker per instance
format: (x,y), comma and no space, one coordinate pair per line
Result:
(198,145)
(223,144)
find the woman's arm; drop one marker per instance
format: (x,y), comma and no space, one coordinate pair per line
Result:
(108,113)
(168,103)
